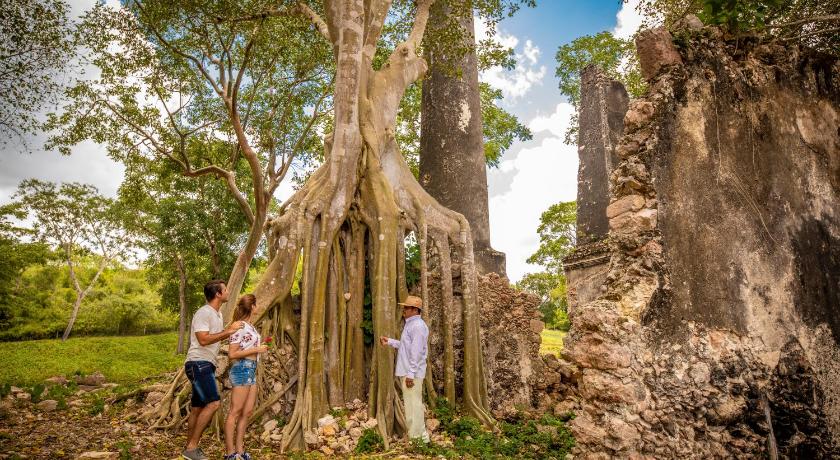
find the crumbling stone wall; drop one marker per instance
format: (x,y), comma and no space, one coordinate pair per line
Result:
(510,339)
(717,333)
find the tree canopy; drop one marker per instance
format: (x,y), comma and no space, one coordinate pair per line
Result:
(37,44)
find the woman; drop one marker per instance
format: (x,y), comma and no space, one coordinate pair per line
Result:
(244,353)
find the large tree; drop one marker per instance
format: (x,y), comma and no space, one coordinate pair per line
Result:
(362,200)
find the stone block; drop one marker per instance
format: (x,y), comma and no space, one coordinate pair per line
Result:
(47,405)
(656,50)
(634,222)
(625,204)
(639,114)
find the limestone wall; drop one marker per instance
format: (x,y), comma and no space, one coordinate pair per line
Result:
(510,338)
(717,331)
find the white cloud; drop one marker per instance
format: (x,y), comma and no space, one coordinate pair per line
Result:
(628,19)
(544,175)
(532,52)
(514,83)
(555,123)
(88,164)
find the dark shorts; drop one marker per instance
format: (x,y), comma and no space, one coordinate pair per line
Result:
(202,375)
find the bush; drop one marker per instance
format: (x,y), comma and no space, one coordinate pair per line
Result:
(122,303)
(369,442)
(544,438)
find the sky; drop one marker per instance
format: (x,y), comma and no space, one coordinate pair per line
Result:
(532,175)
(535,174)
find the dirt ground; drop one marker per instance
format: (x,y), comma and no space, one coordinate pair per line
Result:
(27,432)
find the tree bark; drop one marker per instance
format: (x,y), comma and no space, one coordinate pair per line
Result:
(452,163)
(243,262)
(182,303)
(80,293)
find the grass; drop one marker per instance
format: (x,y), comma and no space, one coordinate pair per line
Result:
(121,359)
(552,341)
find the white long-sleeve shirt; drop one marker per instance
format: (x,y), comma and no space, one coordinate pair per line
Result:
(412,348)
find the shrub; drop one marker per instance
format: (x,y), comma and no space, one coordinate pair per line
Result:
(369,442)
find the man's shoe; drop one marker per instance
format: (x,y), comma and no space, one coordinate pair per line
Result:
(233,456)
(194,454)
(245,456)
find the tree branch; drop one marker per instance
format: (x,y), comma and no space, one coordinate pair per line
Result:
(319,22)
(830,17)
(420,20)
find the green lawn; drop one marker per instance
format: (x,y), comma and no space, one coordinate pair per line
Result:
(552,341)
(120,359)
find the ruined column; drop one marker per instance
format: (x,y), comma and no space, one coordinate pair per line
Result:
(603,103)
(452,164)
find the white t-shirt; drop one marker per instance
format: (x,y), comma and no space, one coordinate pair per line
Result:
(247,337)
(209,320)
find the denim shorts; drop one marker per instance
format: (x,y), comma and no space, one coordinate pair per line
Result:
(202,375)
(243,372)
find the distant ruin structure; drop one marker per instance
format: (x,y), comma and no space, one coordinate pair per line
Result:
(603,104)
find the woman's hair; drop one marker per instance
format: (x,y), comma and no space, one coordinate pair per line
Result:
(244,306)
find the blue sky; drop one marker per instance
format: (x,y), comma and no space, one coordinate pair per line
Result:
(532,175)
(536,174)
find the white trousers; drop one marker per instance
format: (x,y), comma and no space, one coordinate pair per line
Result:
(415,410)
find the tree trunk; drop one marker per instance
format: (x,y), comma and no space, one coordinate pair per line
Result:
(79,297)
(355,210)
(80,293)
(182,303)
(243,262)
(452,163)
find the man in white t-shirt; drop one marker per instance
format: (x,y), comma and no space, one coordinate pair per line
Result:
(206,331)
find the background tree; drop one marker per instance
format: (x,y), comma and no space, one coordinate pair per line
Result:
(15,255)
(77,220)
(615,56)
(191,229)
(557,232)
(36,45)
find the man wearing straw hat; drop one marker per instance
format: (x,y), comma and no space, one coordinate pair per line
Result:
(412,348)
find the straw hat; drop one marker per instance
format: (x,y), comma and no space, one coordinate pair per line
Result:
(412,301)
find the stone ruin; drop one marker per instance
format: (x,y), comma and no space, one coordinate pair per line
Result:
(705,294)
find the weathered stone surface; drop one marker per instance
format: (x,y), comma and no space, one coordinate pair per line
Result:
(94,380)
(602,108)
(270,425)
(625,204)
(510,330)
(638,115)
(57,380)
(718,318)
(99,456)
(47,405)
(656,50)
(634,222)
(432,424)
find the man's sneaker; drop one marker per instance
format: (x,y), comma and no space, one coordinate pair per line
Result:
(194,454)
(233,456)
(245,456)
